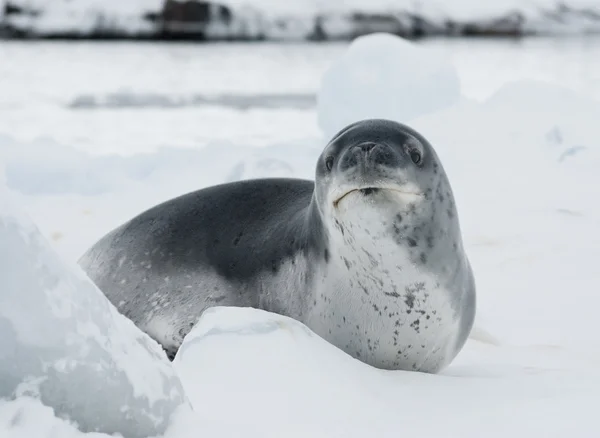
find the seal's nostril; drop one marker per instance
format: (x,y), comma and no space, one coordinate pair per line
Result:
(366,147)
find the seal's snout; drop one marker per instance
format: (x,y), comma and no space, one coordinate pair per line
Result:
(366,147)
(367,155)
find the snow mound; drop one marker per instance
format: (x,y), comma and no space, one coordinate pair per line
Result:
(64,343)
(310,388)
(384,76)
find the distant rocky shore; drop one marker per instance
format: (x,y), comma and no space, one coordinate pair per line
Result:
(213,21)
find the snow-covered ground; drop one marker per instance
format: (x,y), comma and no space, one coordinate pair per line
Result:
(296,19)
(523,163)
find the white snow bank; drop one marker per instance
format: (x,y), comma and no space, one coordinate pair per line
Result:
(309,388)
(384,76)
(64,343)
(255,374)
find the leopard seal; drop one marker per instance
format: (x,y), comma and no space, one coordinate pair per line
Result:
(369,256)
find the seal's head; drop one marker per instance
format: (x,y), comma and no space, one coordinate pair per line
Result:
(378,165)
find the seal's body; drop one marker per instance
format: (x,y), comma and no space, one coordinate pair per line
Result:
(369,256)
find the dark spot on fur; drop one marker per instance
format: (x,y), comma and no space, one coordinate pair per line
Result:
(392,294)
(423,258)
(427,316)
(418,286)
(411,242)
(326,255)
(237,239)
(274,266)
(415,325)
(409,300)
(347,263)
(429,240)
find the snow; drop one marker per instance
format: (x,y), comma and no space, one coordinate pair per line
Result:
(384,76)
(62,341)
(308,388)
(523,165)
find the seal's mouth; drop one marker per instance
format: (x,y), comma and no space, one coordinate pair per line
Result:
(369,191)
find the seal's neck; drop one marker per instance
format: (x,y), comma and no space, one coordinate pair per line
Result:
(387,243)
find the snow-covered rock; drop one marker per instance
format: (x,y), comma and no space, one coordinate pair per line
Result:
(64,343)
(384,76)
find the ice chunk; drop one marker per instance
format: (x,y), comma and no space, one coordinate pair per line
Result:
(384,76)
(63,341)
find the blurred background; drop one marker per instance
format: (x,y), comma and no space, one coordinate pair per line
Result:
(126,76)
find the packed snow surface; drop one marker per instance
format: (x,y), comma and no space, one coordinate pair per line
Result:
(523,165)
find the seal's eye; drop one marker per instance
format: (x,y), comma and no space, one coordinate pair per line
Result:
(415,157)
(329,162)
